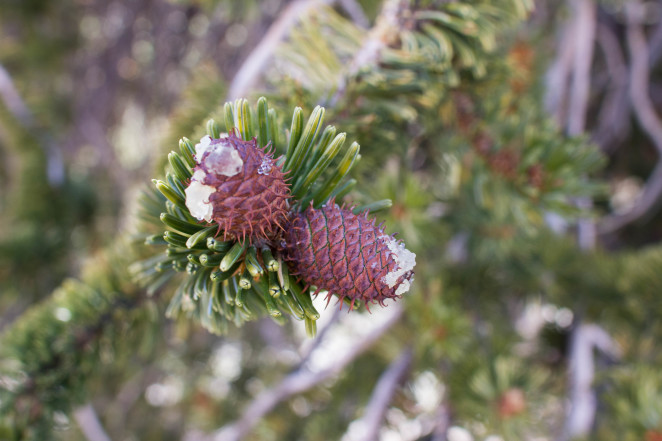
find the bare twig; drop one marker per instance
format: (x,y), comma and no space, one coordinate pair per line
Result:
(647,117)
(585,23)
(368,426)
(558,76)
(13,100)
(89,424)
(442,422)
(355,12)
(305,356)
(614,116)
(585,338)
(16,106)
(655,45)
(297,382)
(581,411)
(256,62)
(584,37)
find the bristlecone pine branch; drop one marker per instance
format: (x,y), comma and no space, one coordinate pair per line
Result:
(252,234)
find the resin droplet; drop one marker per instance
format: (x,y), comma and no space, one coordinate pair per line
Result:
(265,166)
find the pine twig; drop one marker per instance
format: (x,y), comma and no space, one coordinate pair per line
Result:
(297,382)
(255,63)
(380,36)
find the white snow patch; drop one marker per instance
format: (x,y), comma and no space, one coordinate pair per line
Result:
(405,260)
(197,197)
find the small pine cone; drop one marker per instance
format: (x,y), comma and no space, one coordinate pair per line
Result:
(239,186)
(347,255)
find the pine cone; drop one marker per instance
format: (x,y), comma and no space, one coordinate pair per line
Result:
(347,255)
(239,186)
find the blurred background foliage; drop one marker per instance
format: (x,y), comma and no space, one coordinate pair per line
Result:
(519,142)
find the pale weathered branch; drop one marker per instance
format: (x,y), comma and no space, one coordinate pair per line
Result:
(585,339)
(647,117)
(614,115)
(355,12)
(367,428)
(297,382)
(585,24)
(19,110)
(89,424)
(558,76)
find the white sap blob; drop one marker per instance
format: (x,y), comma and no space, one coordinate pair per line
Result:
(223,160)
(197,197)
(201,148)
(265,166)
(219,159)
(405,261)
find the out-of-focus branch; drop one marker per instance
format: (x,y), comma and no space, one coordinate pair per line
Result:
(558,76)
(305,356)
(585,24)
(585,338)
(256,62)
(17,107)
(655,45)
(580,411)
(380,36)
(13,100)
(442,421)
(355,12)
(368,426)
(89,424)
(647,117)
(614,116)
(297,382)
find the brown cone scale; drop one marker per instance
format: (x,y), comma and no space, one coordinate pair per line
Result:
(252,204)
(333,249)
